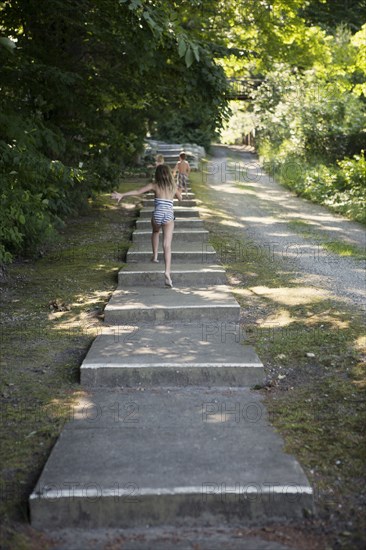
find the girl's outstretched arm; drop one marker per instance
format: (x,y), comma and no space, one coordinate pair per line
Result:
(119,196)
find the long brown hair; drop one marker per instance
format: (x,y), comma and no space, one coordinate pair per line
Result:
(164,177)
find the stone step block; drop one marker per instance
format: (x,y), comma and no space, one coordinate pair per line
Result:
(139,304)
(150,275)
(177,456)
(181,223)
(199,236)
(210,353)
(179,212)
(181,252)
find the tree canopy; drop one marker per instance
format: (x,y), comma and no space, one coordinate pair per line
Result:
(83,82)
(309,109)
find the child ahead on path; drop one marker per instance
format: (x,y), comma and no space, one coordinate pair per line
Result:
(183,169)
(159,159)
(163,215)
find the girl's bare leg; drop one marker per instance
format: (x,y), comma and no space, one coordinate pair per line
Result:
(155,241)
(168,229)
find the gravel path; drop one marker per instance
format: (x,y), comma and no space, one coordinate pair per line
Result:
(263,209)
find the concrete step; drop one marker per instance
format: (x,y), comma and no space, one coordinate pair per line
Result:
(171,158)
(184,203)
(135,304)
(161,537)
(150,274)
(170,151)
(179,235)
(210,353)
(179,211)
(177,456)
(181,252)
(182,223)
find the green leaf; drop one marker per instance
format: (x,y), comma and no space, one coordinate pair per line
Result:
(189,57)
(196,51)
(7,44)
(135,4)
(182,46)
(21,219)
(148,19)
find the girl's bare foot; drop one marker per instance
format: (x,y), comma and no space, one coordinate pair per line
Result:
(168,281)
(154,260)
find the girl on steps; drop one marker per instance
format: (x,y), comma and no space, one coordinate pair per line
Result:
(163,215)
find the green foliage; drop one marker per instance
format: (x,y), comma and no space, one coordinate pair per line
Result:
(80,82)
(37,193)
(308,116)
(331,13)
(239,124)
(24,218)
(354,172)
(312,124)
(194,104)
(342,186)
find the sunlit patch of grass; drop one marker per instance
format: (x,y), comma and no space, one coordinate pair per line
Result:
(300,225)
(341,248)
(344,249)
(291,295)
